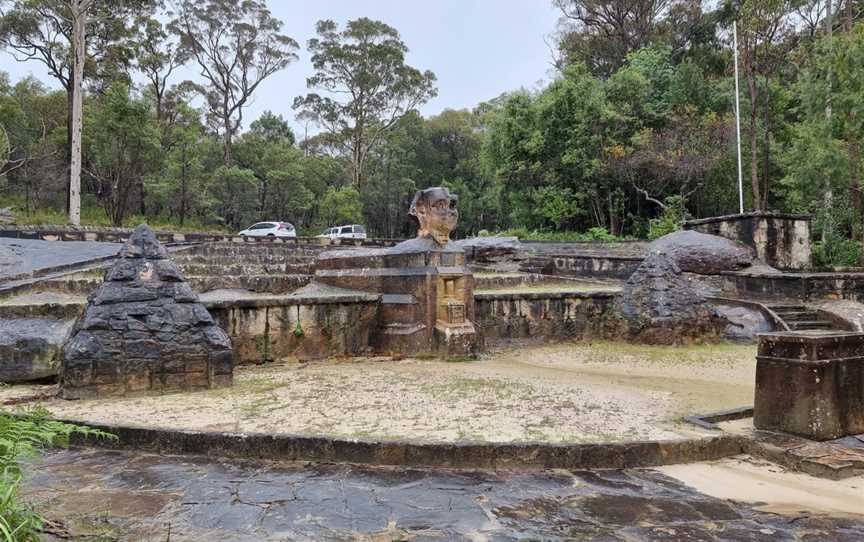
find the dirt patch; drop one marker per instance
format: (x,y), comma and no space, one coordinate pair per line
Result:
(772,488)
(567,393)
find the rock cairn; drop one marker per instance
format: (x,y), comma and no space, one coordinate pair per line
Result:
(659,305)
(144,331)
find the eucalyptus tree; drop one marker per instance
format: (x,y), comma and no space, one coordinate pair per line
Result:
(72,38)
(366,83)
(237,44)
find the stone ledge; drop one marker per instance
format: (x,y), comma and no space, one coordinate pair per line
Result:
(403,453)
(558,294)
(744,216)
(289,301)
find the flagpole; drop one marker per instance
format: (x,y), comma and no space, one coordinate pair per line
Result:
(738,120)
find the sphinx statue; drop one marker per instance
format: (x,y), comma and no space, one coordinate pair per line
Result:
(427,292)
(437,212)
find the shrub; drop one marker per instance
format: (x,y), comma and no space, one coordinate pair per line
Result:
(670,220)
(593,234)
(836,251)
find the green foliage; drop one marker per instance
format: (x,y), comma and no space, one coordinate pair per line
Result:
(368,86)
(122,146)
(836,251)
(593,234)
(670,220)
(341,206)
(22,436)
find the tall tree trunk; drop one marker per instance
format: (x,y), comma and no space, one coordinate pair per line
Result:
(79,34)
(227,158)
(828,200)
(70,98)
(766,146)
(183,188)
(754,143)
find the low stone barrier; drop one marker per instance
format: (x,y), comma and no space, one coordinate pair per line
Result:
(285,447)
(802,286)
(547,315)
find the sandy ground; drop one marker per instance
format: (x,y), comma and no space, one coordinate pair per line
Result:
(581,392)
(772,488)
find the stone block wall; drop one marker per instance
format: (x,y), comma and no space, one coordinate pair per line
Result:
(541,315)
(263,330)
(582,265)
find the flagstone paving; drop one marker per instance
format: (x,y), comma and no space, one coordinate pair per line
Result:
(109,495)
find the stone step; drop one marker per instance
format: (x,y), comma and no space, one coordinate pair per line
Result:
(235,250)
(810,324)
(274,284)
(799,316)
(208,259)
(271,283)
(242,268)
(47,305)
(782,309)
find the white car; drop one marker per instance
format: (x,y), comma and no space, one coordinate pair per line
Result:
(352,231)
(269,229)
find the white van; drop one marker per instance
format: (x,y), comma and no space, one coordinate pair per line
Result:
(352,231)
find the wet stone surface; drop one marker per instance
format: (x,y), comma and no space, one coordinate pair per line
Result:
(125,496)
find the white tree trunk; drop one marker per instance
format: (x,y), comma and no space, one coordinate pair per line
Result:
(78,10)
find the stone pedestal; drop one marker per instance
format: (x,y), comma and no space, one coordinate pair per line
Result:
(427,302)
(781,240)
(810,383)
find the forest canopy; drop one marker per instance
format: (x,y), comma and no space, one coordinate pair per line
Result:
(634,133)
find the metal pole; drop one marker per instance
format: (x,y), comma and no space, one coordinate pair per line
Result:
(738,120)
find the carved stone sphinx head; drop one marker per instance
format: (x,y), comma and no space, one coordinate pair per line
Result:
(436,209)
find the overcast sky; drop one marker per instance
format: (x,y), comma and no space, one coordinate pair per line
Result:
(477,48)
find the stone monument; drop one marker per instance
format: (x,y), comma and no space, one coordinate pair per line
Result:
(144,331)
(427,292)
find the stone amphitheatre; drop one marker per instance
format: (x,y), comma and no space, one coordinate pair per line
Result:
(704,386)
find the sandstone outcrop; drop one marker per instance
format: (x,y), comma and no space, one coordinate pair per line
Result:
(695,252)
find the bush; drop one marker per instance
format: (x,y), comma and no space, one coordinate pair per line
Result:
(670,220)
(23,436)
(593,234)
(836,251)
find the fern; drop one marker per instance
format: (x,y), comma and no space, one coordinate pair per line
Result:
(24,435)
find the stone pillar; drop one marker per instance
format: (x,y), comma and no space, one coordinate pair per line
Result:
(810,383)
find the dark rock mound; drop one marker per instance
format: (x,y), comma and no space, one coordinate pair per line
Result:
(659,305)
(696,252)
(144,331)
